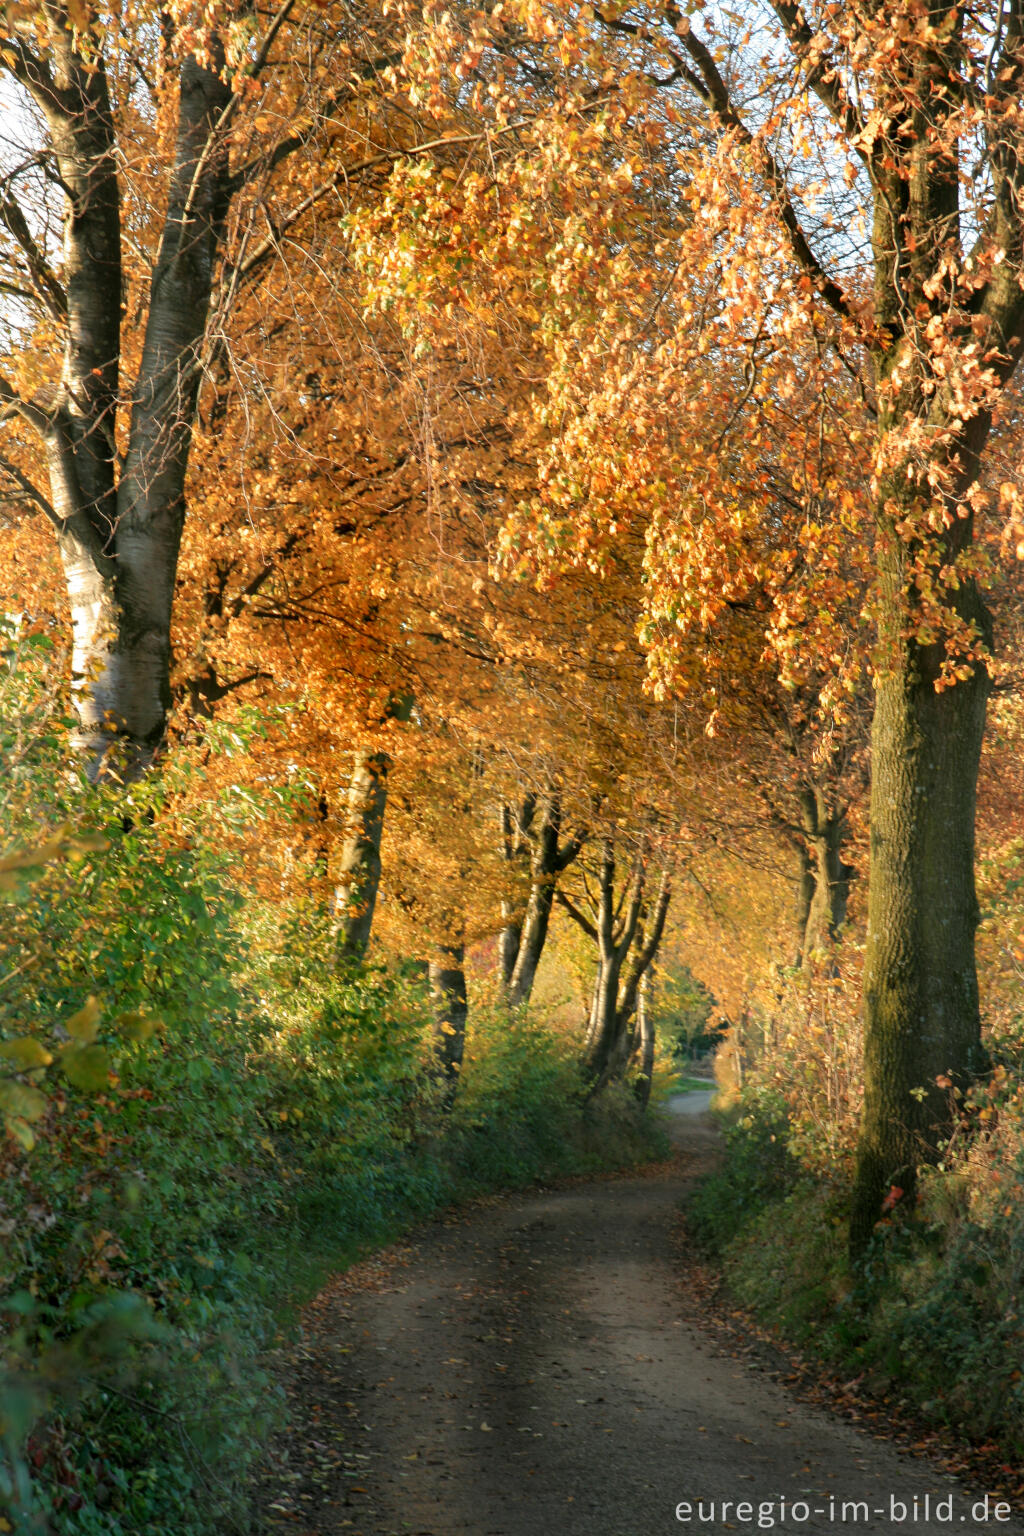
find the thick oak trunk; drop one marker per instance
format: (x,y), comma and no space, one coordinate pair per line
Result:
(922,1021)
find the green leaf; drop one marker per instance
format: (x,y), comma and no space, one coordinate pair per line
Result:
(25,1053)
(137,1027)
(86,1066)
(84,1025)
(20,1102)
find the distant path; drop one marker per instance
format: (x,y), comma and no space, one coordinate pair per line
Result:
(536,1367)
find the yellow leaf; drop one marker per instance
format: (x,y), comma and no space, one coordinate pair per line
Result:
(24,1134)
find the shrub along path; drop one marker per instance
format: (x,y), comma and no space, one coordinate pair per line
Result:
(536,1366)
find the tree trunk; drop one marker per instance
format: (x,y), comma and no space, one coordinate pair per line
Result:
(920,982)
(921,1014)
(608,1039)
(824,875)
(645,1042)
(806,884)
(119,547)
(549,859)
(359,865)
(532,939)
(448,984)
(515,848)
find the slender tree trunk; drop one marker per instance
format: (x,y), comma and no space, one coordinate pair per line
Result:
(806,885)
(645,1041)
(532,939)
(824,875)
(550,857)
(604,1021)
(359,864)
(448,984)
(515,848)
(511,938)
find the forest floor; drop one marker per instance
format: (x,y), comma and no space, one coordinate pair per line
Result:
(543,1364)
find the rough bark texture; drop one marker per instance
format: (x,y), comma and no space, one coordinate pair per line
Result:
(922,1020)
(920,983)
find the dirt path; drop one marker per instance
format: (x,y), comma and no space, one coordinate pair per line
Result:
(536,1368)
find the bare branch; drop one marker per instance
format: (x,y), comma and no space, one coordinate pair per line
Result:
(30,490)
(822,76)
(44,282)
(576,915)
(705,79)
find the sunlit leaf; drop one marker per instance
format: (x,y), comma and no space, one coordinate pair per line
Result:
(84,1025)
(19,1101)
(25,1053)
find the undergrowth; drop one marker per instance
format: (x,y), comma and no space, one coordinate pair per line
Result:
(934,1317)
(252,1120)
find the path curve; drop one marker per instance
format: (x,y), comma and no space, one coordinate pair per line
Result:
(535,1367)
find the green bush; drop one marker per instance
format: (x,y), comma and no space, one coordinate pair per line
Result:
(934,1315)
(276,1121)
